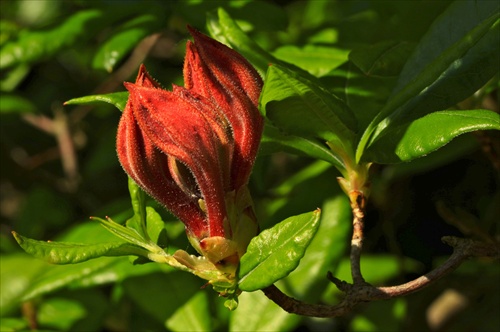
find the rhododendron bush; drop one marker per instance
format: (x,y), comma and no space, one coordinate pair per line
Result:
(250,165)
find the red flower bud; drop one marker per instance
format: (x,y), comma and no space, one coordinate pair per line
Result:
(193,148)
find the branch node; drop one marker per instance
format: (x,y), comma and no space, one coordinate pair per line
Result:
(342,285)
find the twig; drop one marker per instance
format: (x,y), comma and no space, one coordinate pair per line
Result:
(357,199)
(363,292)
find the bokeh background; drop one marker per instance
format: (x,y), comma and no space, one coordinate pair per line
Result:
(59,166)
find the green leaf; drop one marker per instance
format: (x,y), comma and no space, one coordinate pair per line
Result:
(138,221)
(257,313)
(17,272)
(125,39)
(194,315)
(223,28)
(288,98)
(70,253)
(13,324)
(56,277)
(16,104)
(325,252)
(35,46)
(451,62)
(276,252)
(127,234)
(161,295)
(60,313)
(365,95)
(317,60)
(117,99)
(385,316)
(429,133)
(382,59)
(275,140)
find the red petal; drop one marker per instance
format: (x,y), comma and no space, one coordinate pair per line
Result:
(224,76)
(183,125)
(147,166)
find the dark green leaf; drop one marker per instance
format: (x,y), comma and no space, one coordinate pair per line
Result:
(123,41)
(276,252)
(429,133)
(176,289)
(375,318)
(275,140)
(70,253)
(450,63)
(16,104)
(289,98)
(382,59)
(365,95)
(117,99)
(317,60)
(34,46)
(446,41)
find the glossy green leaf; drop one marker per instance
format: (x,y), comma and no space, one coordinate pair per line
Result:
(16,104)
(123,41)
(365,95)
(446,41)
(429,133)
(70,253)
(288,98)
(451,62)
(257,313)
(129,235)
(100,271)
(382,59)
(275,140)
(276,252)
(325,252)
(50,278)
(315,59)
(117,99)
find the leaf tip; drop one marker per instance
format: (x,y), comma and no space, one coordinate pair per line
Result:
(19,238)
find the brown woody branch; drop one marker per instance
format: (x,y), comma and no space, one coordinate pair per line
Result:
(360,291)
